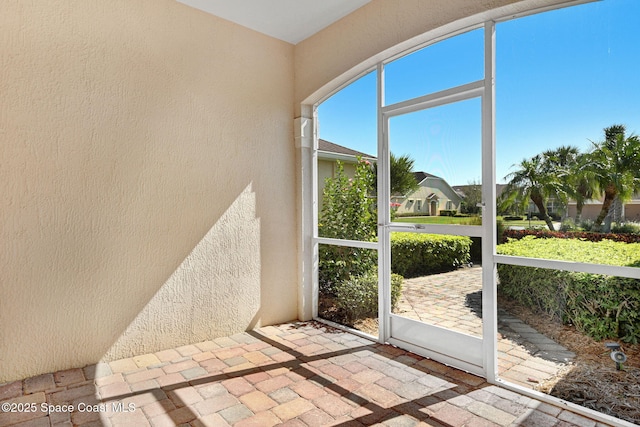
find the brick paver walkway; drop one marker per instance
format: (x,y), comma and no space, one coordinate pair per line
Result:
(454,300)
(299,374)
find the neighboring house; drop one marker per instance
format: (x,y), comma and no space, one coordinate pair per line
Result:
(433,195)
(328,155)
(629,211)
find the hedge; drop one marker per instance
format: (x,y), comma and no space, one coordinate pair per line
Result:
(603,307)
(583,235)
(414,254)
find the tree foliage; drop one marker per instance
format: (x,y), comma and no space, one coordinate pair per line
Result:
(615,164)
(611,169)
(348,212)
(536,179)
(401,178)
(472,198)
(348,209)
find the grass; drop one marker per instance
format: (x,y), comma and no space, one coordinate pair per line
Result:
(524,223)
(466,221)
(435,219)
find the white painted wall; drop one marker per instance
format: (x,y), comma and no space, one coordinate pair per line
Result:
(147,181)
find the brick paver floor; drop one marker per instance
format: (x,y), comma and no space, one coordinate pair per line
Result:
(454,300)
(296,374)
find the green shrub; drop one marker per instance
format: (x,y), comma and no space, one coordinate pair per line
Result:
(414,254)
(554,216)
(357,297)
(586,225)
(338,263)
(513,218)
(448,212)
(348,212)
(568,224)
(600,306)
(626,228)
(581,235)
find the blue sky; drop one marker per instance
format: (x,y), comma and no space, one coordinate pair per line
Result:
(561,77)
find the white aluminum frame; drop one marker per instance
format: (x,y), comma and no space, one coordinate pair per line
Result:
(486,90)
(450,347)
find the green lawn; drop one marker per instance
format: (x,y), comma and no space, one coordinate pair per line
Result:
(524,223)
(435,220)
(465,220)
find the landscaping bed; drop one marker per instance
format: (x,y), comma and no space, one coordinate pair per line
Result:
(348,282)
(603,307)
(591,380)
(582,312)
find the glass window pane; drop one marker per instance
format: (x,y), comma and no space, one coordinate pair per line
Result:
(347,149)
(452,62)
(444,144)
(348,287)
(438,280)
(558,331)
(566,116)
(565,80)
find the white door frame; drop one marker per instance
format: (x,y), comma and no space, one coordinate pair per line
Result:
(452,348)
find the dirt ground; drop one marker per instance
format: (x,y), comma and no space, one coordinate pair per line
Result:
(592,380)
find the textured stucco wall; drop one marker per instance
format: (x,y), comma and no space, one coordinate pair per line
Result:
(147,181)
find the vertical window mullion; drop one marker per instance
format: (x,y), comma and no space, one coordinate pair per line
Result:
(489,270)
(383,198)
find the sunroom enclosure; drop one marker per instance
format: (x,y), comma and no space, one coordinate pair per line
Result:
(476,354)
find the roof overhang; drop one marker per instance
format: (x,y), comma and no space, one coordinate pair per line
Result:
(327,155)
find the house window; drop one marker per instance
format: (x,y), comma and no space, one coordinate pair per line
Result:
(449,205)
(419,205)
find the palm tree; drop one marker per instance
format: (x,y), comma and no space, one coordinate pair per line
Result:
(573,170)
(584,184)
(615,163)
(561,163)
(561,157)
(534,180)
(400,175)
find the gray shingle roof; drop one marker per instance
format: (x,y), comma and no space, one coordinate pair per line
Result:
(421,176)
(330,147)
